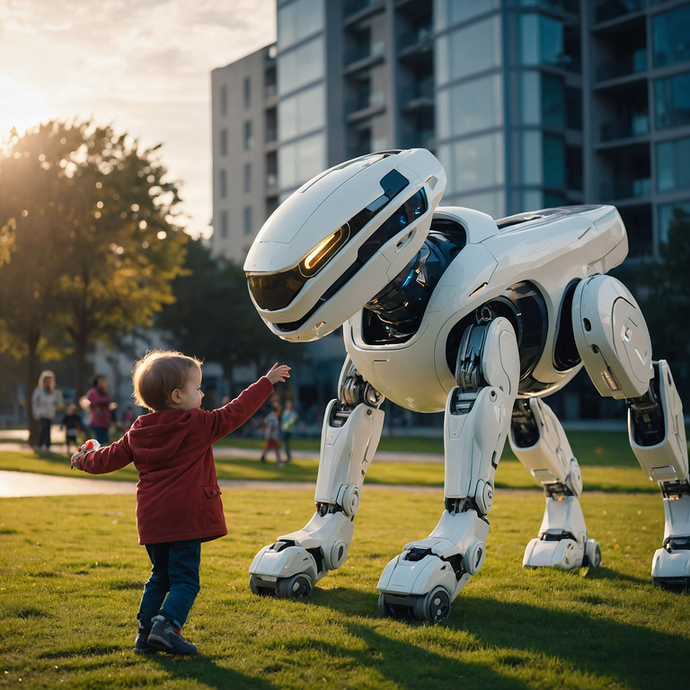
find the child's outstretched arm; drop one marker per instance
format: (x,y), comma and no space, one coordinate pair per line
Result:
(278,373)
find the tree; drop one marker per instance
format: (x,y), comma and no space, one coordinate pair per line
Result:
(663,290)
(213,317)
(94,247)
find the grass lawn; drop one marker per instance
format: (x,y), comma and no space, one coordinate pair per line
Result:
(71,575)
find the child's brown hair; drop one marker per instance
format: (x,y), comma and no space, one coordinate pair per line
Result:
(157,374)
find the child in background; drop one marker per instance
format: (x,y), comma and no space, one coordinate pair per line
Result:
(178,498)
(72,425)
(272,433)
(288,419)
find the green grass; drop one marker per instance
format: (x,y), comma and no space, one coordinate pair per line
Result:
(510,474)
(71,575)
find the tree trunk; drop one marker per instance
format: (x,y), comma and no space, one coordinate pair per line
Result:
(31,382)
(80,345)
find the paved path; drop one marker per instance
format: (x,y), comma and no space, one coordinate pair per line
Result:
(24,484)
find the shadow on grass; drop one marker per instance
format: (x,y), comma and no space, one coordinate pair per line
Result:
(514,635)
(201,669)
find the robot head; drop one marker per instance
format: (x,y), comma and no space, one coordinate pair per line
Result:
(340,239)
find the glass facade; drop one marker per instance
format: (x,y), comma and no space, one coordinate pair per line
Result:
(301,66)
(672,101)
(470,107)
(302,113)
(541,41)
(300,160)
(542,99)
(673,165)
(671,37)
(473,164)
(542,159)
(468,50)
(450,12)
(298,20)
(492,203)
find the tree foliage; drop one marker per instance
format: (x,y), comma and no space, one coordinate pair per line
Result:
(213,317)
(88,244)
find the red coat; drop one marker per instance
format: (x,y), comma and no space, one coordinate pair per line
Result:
(178,497)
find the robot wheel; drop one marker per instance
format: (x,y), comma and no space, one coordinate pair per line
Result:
(672,583)
(257,587)
(433,607)
(295,587)
(592,554)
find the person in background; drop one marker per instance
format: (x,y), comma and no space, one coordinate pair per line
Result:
(101,406)
(272,433)
(288,419)
(128,417)
(72,425)
(45,400)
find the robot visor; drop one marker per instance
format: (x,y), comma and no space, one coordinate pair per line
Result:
(277,290)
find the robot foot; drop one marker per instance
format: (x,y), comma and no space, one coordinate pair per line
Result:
(671,564)
(291,566)
(423,581)
(563,553)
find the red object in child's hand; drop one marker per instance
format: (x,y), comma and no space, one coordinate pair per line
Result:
(91,444)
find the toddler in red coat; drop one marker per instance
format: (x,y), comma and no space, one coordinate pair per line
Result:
(178,498)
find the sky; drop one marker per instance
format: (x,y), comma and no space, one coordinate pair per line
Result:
(141,66)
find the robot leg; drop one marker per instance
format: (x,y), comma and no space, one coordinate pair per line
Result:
(613,341)
(424,580)
(540,444)
(351,431)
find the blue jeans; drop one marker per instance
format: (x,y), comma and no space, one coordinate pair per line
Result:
(44,436)
(101,434)
(174,580)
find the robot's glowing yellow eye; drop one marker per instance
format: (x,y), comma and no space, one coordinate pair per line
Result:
(324,250)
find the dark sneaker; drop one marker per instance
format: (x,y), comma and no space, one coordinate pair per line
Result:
(141,645)
(165,637)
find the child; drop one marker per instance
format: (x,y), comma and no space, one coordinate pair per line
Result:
(287,425)
(72,425)
(178,498)
(272,433)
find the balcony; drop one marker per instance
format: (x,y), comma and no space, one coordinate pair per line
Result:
(626,189)
(612,9)
(356,7)
(636,126)
(623,66)
(363,55)
(365,106)
(418,96)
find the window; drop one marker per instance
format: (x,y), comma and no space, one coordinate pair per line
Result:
(299,20)
(247,220)
(247,92)
(223,100)
(247,177)
(301,66)
(223,184)
(471,106)
(553,160)
(671,36)
(248,136)
(473,163)
(301,160)
(673,165)
(541,41)
(449,12)
(542,159)
(223,224)
(542,99)
(672,99)
(223,142)
(469,50)
(301,113)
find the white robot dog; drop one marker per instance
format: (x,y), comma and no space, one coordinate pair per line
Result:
(445,308)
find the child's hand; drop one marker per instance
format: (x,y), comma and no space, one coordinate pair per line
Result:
(278,373)
(75,462)
(87,447)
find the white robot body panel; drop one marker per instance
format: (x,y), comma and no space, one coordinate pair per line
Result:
(551,253)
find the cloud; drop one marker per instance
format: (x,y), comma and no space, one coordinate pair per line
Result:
(141,65)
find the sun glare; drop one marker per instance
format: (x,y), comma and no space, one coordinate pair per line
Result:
(20,106)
